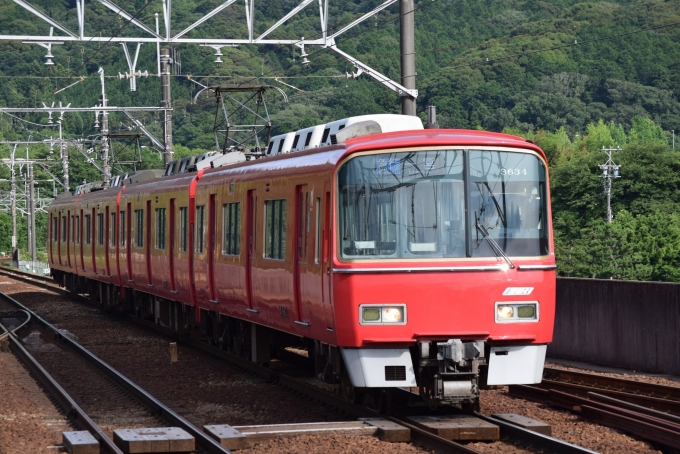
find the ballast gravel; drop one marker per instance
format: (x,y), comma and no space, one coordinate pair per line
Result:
(208,391)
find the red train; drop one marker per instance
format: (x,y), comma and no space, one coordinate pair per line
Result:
(417,257)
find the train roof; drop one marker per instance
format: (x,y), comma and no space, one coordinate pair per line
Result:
(312,158)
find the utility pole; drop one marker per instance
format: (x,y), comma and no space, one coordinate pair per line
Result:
(105,134)
(31,209)
(64,158)
(609,170)
(166,101)
(13,196)
(408,55)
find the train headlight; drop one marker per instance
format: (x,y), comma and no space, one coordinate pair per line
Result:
(521,311)
(504,312)
(382,314)
(392,314)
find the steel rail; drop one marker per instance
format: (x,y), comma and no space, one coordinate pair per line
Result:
(612,383)
(165,412)
(417,434)
(535,439)
(73,411)
(658,403)
(532,439)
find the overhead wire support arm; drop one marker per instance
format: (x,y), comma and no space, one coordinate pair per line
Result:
(204,18)
(386,81)
(362,18)
(128,17)
(146,132)
(281,21)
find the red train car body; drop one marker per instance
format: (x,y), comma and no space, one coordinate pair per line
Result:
(413,258)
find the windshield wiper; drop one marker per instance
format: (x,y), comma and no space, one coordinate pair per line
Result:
(497,249)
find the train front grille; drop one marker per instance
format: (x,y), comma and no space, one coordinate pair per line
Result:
(395,373)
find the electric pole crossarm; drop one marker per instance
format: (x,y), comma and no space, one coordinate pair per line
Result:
(124,39)
(386,81)
(45,17)
(82,109)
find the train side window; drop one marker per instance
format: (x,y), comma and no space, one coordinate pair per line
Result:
(280,146)
(139,228)
(295,141)
(54,228)
(309,137)
(100,228)
(113,230)
(122,228)
(275,229)
(183,228)
(160,228)
(325,136)
(317,234)
(64,221)
(200,229)
(231,228)
(269,148)
(76,230)
(88,229)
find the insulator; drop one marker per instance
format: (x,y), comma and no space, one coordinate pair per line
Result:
(305,62)
(218,61)
(49,62)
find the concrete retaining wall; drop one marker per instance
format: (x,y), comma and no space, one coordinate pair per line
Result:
(628,324)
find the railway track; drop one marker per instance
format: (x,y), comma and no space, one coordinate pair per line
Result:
(508,431)
(646,410)
(104,398)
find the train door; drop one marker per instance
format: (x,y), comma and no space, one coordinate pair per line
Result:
(212,221)
(69,221)
(172,245)
(326,247)
(301,233)
(251,211)
(93,239)
(56,235)
(81,239)
(148,241)
(128,241)
(106,242)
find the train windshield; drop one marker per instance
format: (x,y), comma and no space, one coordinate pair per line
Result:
(442,204)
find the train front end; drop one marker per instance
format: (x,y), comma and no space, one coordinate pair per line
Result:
(444,270)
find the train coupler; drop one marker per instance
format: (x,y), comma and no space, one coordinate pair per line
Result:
(452,370)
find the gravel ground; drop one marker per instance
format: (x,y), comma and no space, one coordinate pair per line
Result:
(209,391)
(29,421)
(201,388)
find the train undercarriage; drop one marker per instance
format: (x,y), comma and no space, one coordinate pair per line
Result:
(445,373)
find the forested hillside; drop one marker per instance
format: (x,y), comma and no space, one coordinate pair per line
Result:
(573,76)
